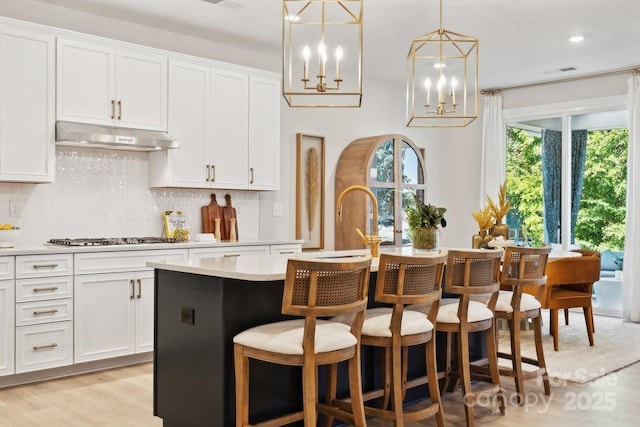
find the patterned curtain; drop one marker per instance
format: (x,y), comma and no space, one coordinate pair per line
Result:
(551,182)
(578,157)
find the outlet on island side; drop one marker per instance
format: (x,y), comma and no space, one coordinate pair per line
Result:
(188,315)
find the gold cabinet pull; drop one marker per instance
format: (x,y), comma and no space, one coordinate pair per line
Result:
(52,288)
(287,252)
(42,347)
(230,255)
(52,311)
(133,289)
(37,266)
(139,288)
(208,173)
(119,110)
(113,109)
(251,174)
(213,173)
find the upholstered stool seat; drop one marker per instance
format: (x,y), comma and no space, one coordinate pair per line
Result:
(286,337)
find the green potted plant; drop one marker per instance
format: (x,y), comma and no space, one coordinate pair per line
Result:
(424,220)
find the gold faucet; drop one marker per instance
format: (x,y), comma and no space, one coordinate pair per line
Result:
(374,239)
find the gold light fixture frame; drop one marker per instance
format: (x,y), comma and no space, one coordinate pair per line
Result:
(438,50)
(308,89)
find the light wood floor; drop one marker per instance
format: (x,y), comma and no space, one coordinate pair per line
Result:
(123,397)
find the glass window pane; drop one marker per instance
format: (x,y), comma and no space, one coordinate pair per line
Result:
(382,168)
(386,214)
(411,170)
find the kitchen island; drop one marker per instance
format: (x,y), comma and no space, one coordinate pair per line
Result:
(200,305)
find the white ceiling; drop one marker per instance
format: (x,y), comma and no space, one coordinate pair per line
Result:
(521,41)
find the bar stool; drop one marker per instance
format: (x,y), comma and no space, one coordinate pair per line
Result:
(403,280)
(522,267)
(471,272)
(312,289)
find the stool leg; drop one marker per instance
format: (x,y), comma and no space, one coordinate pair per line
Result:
(386,377)
(537,331)
(566,316)
(465,375)
(309,390)
(355,390)
(447,363)
(492,354)
(396,382)
(432,377)
(553,327)
(241,364)
(516,361)
(331,379)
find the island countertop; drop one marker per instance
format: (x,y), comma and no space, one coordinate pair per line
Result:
(254,267)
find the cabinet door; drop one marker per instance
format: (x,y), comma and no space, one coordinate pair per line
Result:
(104,316)
(7,327)
(144,311)
(229,126)
(27,106)
(233,251)
(141,90)
(86,82)
(189,123)
(264,134)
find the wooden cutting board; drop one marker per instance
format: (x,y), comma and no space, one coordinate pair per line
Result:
(229,212)
(209,215)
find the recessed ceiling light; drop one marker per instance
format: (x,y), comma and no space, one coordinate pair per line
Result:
(576,39)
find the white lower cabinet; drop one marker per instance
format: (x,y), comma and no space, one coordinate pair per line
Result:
(114,315)
(43,312)
(43,346)
(113,298)
(228,252)
(7,325)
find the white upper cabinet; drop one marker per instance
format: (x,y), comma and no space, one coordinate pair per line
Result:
(264,133)
(228,124)
(27,106)
(106,85)
(230,132)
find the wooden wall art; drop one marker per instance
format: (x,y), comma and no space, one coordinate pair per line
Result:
(310,191)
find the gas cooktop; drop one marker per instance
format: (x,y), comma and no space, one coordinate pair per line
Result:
(110,241)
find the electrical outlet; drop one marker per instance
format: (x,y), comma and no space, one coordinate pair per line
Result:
(15,207)
(188,315)
(278,209)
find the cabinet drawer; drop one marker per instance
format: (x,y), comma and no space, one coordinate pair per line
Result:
(121,261)
(200,253)
(32,313)
(44,346)
(6,268)
(44,289)
(286,249)
(30,266)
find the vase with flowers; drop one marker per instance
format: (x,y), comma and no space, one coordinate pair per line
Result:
(424,220)
(499,211)
(484,218)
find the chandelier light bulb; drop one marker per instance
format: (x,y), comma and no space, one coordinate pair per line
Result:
(339,53)
(427,83)
(306,52)
(453,83)
(439,65)
(427,86)
(322,49)
(442,81)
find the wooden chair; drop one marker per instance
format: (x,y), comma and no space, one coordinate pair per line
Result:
(569,284)
(469,273)
(522,267)
(403,280)
(312,289)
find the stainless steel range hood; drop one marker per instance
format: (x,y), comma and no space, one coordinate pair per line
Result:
(89,135)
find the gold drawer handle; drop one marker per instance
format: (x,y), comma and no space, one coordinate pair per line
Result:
(287,252)
(53,288)
(37,266)
(53,311)
(43,347)
(231,255)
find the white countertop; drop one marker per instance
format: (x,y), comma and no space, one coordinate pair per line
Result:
(253,267)
(191,244)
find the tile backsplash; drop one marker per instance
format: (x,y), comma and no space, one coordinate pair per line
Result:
(105,193)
